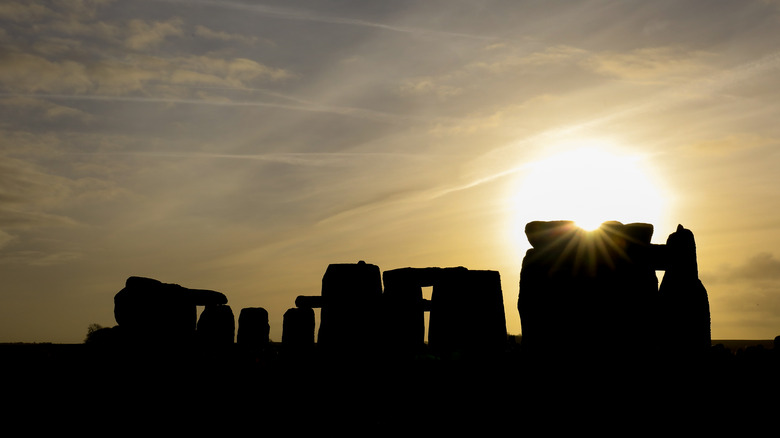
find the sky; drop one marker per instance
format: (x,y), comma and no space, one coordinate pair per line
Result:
(243,146)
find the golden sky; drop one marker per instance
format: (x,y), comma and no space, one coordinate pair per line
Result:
(243,146)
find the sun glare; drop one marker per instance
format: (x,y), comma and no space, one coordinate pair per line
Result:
(589,182)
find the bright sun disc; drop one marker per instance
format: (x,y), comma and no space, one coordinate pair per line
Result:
(590,185)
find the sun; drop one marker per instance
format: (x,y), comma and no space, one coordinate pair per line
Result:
(589,182)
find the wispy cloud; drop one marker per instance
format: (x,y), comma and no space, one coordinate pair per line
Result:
(669,97)
(306,106)
(312,16)
(290,158)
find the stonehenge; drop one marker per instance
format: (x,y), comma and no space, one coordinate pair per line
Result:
(577,289)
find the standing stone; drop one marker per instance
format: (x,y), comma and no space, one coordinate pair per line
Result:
(350,300)
(685,311)
(403,311)
(253,327)
(467,313)
(298,328)
(216,326)
(586,293)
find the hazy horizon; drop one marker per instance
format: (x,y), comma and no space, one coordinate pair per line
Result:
(242,147)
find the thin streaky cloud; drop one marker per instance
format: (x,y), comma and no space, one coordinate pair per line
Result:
(292,158)
(418,195)
(257,90)
(701,86)
(307,15)
(304,106)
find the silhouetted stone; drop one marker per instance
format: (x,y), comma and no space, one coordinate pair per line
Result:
(580,289)
(150,311)
(310,301)
(350,300)
(685,306)
(253,327)
(467,310)
(467,313)
(550,234)
(217,325)
(298,328)
(403,308)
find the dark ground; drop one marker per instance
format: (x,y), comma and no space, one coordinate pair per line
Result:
(59,387)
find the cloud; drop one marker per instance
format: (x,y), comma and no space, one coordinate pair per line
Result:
(24,12)
(143,34)
(38,258)
(30,73)
(760,268)
(25,106)
(654,64)
(30,196)
(429,86)
(235,71)
(746,296)
(5,238)
(733,142)
(753,285)
(11,218)
(299,14)
(504,58)
(69,50)
(658,64)
(205,32)
(27,73)
(21,182)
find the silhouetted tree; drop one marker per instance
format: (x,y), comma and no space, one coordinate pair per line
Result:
(97,334)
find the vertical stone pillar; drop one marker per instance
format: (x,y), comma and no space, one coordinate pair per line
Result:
(685,310)
(467,313)
(350,306)
(216,326)
(298,328)
(403,311)
(253,327)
